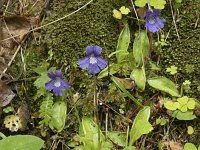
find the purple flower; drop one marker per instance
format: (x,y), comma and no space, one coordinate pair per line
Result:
(152,22)
(57,83)
(93,61)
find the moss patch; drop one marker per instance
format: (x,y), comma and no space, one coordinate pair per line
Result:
(185,54)
(94,25)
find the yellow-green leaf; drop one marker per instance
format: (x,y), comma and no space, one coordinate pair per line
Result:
(140,3)
(123,44)
(138,75)
(117,14)
(190,130)
(164,84)
(124,10)
(158,4)
(191,104)
(141,47)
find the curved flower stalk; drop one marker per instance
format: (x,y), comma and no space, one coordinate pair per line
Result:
(57,84)
(153,22)
(93,61)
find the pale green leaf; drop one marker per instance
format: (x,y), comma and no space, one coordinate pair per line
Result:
(109,70)
(183,108)
(130,148)
(163,121)
(189,146)
(172,70)
(191,104)
(40,82)
(123,44)
(58,117)
(140,125)
(170,105)
(188,115)
(117,138)
(21,142)
(140,3)
(158,4)
(138,75)
(190,130)
(164,84)
(124,10)
(158,121)
(177,105)
(117,14)
(89,133)
(183,100)
(141,47)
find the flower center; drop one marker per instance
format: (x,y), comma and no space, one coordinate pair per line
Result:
(57,82)
(151,19)
(93,60)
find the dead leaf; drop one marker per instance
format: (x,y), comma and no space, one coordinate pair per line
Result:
(171,145)
(16,27)
(6,94)
(24,115)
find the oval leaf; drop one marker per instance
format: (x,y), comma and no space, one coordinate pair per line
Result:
(138,75)
(21,142)
(141,47)
(189,146)
(188,115)
(140,125)
(118,138)
(163,84)
(58,116)
(122,45)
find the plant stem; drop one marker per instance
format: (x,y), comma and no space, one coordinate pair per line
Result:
(96,113)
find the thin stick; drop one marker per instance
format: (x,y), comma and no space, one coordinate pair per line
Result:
(6,7)
(13,57)
(52,21)
(135,13)
(174,20)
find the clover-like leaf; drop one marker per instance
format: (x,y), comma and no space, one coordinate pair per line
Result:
(183,108)
(171,105)
(183,100)
(158,4)
(177,105)
(117,14)
(172,70)
(155,3)
(188,115)
(140,3)
(124,10)
(191,104)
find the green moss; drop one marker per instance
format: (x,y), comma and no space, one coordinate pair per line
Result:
(94,25)
(187,52)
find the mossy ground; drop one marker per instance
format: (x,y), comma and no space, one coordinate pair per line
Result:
(95,25)
(185,54)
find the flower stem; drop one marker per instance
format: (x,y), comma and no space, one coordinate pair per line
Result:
(96,113)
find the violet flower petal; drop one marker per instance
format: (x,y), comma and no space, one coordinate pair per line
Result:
(102,63)
(84,62)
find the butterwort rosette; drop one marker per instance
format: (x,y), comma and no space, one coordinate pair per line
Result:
(153,22)
(93,61)
(57,83)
